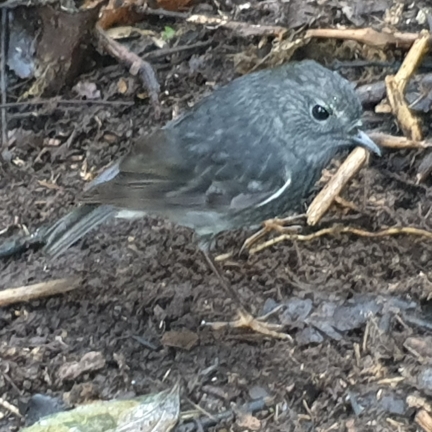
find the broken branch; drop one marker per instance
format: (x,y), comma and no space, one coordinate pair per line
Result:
(242,28)
(368,36)
(424,420)
(31,292)
(345,173)
(135,64)
(396,85)
(398,142)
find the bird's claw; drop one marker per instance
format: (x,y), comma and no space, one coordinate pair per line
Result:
(257,325)
(277,225)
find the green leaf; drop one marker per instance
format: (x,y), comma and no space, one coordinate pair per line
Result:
(168,33)
(157,412)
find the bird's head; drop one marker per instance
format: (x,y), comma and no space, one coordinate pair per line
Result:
(328,111)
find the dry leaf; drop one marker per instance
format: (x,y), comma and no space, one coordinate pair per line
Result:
(184,339)
(91,361)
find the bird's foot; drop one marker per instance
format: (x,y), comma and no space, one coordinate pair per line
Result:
(278,225)
(257,325)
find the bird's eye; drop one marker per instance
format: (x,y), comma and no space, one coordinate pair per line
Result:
(320,113)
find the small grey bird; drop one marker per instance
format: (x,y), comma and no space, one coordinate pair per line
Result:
(250,151)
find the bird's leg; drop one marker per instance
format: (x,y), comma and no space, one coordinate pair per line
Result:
(279,225)
(245,319)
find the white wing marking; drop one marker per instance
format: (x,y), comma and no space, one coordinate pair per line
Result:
(277,194)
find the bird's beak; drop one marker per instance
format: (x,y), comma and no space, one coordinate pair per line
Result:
(361,139)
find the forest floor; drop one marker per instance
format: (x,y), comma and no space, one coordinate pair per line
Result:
(358,309)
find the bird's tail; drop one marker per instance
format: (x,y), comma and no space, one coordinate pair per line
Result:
(70,228)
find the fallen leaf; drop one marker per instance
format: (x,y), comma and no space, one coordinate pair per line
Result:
(150,413)
(184,339)
(91,361)
(168,33)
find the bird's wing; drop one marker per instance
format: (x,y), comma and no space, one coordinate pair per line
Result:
(163,172)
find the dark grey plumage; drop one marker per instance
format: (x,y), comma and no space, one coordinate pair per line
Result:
(252,150)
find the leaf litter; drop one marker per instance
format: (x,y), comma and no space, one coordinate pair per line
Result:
(357,307)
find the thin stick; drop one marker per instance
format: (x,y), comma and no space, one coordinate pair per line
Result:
(31,292)
(396,86)
(398,142)
(424,420)
(367,36)
(4,127)
(409,123)
(163,13)
(342,230)
(242,28)
(345,173)
(412,61)
(136,65)
(175,50)
(11,408)
(56,101)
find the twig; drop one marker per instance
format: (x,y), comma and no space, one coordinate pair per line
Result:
(342,230)
(163,13)
(242,28)
(174,50)
(412,61)
(11,408)
(398,142)
(411,126)
(56,101)
(367,36)
(11,4)
(224,257)
(4,127)
(135,64)
(31,292)
(337,64)
(424,420)
(414,401)
(396,85)
(345,173)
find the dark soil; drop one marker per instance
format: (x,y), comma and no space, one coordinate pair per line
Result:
(143,279)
